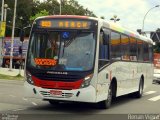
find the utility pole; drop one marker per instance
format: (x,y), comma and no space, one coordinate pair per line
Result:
(5,12)
(2,9)
(146,15)
(60,7)
(12,40)
(1,42)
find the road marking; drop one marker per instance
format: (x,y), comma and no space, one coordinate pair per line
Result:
(24,99)
(34,103)
(155,98)
(19,109)
(12,95)
(149,92)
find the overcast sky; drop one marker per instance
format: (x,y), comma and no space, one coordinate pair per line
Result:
(130,12)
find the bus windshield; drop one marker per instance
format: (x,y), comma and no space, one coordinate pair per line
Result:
(62,50)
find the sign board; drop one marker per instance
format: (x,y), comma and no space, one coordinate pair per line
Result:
(2,29)
(155,36)
(16,44)
(65,23)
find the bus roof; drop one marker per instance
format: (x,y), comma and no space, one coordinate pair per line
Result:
(123,30)
(64,16)
(107,24)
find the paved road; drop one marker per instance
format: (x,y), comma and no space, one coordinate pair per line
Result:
(12,101)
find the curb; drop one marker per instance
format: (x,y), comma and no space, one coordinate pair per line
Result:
(5,81)
(14,72)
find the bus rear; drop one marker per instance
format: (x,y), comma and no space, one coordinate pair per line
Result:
(61,59)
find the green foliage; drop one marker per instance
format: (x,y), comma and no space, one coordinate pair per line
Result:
(28,10)
(157,48)
(102,17)
(70,7)
(23,13)
(158,30)
(7,77)
(41,13)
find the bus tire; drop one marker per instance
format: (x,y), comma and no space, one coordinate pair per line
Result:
(107,103)
(139,93)
(52,102)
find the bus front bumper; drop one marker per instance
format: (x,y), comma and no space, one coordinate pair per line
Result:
(87,94)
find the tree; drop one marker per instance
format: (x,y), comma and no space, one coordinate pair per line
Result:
(41,13)
(23,13)
(158,30)
(28,10)
(157,46)
(102,17)
(70,7)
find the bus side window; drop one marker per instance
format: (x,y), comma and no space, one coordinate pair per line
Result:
(115,43)
(133,49)
(125,48)
(150,53)
(140,50)
(145,52)
(103,48)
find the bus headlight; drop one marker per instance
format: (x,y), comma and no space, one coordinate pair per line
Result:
(29,78)
(86,81)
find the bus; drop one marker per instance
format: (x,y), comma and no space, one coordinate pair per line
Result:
(86,59)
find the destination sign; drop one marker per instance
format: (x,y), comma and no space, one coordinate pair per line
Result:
(67,24)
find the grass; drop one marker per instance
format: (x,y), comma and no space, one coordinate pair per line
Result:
(7,77)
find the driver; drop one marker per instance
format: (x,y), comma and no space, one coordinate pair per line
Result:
(52,51)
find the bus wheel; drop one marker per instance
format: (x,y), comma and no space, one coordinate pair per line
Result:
(52,102)
(107,103)
(139,93)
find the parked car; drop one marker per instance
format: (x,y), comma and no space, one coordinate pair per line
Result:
(156,76)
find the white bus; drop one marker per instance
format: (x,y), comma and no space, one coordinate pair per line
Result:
(85,59)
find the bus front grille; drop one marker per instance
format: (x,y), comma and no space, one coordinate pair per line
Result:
(63,95)
(69,78)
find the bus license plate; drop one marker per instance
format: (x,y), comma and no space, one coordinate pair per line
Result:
(55,92)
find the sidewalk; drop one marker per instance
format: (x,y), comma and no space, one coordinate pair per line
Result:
(14,72)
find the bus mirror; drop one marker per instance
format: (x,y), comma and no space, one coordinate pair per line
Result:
(22,35)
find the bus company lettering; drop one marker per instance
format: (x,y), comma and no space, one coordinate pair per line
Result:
(61,73)
(47,62)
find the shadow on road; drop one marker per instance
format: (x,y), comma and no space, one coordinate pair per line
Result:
(80,108)
(67,107)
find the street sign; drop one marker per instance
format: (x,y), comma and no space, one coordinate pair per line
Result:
(155,36)
(2,29)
